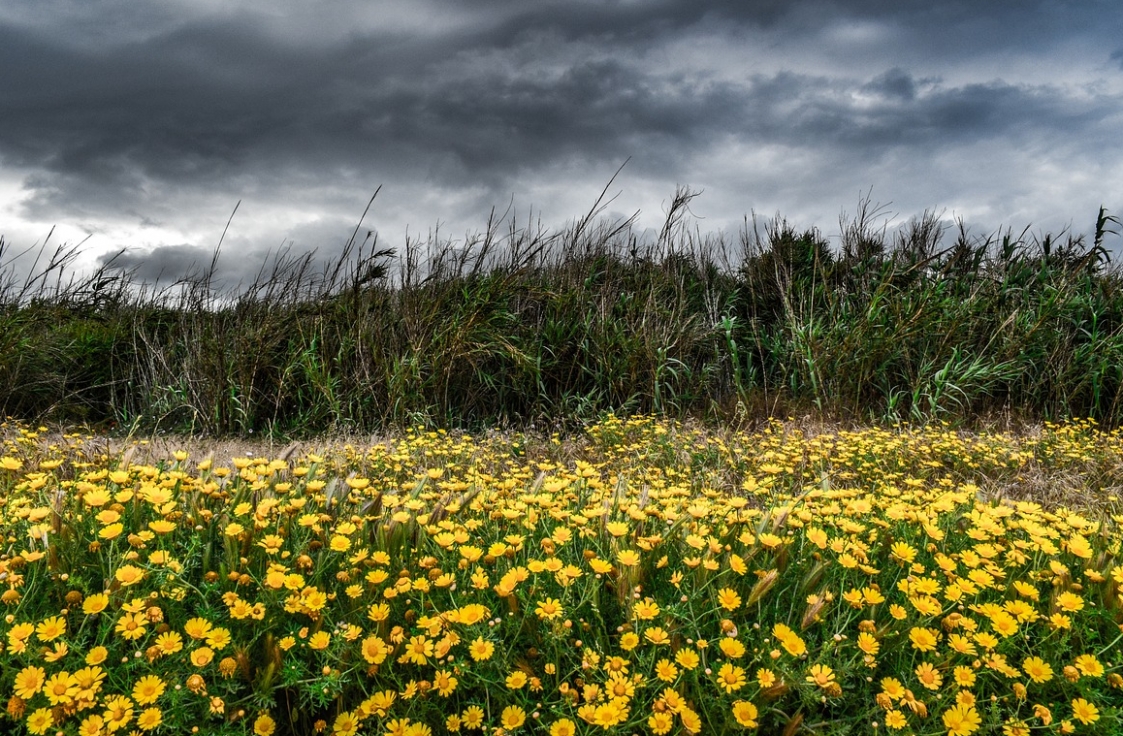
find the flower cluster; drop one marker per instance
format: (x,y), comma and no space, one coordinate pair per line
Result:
(649,578)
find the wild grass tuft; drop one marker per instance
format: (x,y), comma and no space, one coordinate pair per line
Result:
(523,326)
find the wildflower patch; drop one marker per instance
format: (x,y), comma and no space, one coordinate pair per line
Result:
(650,578)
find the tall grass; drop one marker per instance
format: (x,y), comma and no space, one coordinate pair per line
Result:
(524,325)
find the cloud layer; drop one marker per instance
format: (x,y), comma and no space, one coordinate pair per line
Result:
(142,125)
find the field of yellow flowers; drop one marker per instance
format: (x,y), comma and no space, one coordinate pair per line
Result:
(647,577)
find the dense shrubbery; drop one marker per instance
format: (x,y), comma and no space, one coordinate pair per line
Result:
(534,327)
(648,577)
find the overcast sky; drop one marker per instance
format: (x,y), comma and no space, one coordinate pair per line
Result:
(142,124)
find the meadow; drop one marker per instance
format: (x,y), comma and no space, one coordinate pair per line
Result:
(621,537)
(645,575)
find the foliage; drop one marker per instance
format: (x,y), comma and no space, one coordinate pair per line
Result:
(537,328)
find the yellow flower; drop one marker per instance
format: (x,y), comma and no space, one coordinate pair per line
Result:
(92,726)
(128,575)
(745,713)
(471,614)
(481,649)
(197,628)
(657,636)
(472,717)
(964,676)
(51,628)
(737,564)
(665,670)
(728,599)
(418,650)
(646,609)
(445,683)
(379,703)
(29,681)
(118,712)
(627,558)
(549,609)
(770,541)
(563,727)
(148,690)
(903,552)
(790,640)
(1089,666)
(96,656)
(132,626)
(1079,546)
(319,640)
(1084,711)
(1037,669)
(95,604)
(961,644)
(923,639)
(112,531)
(820,675)
(264,725)
(374,649)
(687,658)
(1060,621)
(617,528)
(619,685)
(766,678)
(606,715)
(346,724)
(660,722)
(169,642)
(929,676)
(1004,624)
(730,677)
(691,721)
(40,721)
(149,719)
(60,688)
(961,720)
(601,567)
(731,648)
(854,598)
(218,638)
(512,717)
(202,656)
(1070,602)
(629,641)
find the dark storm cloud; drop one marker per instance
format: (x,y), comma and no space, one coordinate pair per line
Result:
(168,263)
(896,109)
(138,111)
(234,261)
(184,107)
(641,22)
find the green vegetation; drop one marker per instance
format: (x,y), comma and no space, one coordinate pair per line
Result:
(522,326)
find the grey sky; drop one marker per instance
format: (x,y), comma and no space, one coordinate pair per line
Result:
(141,124)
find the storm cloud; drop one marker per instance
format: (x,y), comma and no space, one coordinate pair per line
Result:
(141,125)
